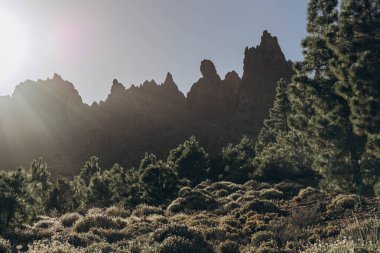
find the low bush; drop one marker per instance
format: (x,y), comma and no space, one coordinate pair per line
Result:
(69,219)
(271,193)
(228,247)
(260,206)
(146,210)
(180,238)
(261,236)
(5,246)
(97,221)
(117,211)
(345,201)
(363,231)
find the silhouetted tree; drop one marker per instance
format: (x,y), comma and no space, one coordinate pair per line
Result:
(90,168)
(190,160)
(38,185)
(13,207)
(62,197)
(159,183)
(235,162)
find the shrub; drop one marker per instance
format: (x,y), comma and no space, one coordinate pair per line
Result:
(271,193)
(288,188)
(343,246)
(345,201)
(174,238)
(69,219)
(268,247)
(228,247)
(98,221)
(52,247)
(183,191)
(232,206)
(111,235)
(101,247)
(146,210)
(261,236)
(178,244)
(364,231)
(308,194)
(260,206)
(82,239)
(48,223)
(193,201)
(5,246)
(117,211)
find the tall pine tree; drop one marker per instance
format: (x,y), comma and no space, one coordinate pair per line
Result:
(280,152)
(318,113)
(278,117)
(357,68)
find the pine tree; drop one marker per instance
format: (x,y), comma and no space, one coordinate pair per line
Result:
(326,126)
(191,161)
(277,122)
(358,65)
(90,168)
(159,183)
(61,197)
(235,161)
(357,69)
(280,153)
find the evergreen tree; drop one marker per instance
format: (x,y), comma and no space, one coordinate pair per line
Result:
(277,122)
(288,157)
(326,126)
(280,152)
(90,168)
(99,193)
(159,183)
(147,160)
(62,197)
(13,199)
(358,64)
(357,69)
(235,161)
(190,160)
(38,185)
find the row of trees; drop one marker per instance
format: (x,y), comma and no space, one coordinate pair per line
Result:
(26,193)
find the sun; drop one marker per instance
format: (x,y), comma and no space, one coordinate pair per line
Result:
(12,44)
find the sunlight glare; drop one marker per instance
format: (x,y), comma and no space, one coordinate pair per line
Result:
(12,45)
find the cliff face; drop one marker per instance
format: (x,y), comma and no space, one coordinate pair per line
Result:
(210,97)
(46,118)
(264,66)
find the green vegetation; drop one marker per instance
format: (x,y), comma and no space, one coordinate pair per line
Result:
(205,220)
(309,183)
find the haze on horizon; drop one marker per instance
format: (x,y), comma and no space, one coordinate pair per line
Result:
(92,42)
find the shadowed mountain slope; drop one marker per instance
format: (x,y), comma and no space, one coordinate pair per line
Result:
(47,118)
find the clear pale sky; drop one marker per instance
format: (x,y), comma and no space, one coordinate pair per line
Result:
(91,42)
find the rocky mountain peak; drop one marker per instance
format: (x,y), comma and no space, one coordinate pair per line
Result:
(169,82)
(208,70)
(269,42)
(232,76)
(117,87)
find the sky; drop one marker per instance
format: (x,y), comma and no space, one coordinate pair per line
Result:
(91,42)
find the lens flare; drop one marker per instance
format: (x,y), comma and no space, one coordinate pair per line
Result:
(12,45)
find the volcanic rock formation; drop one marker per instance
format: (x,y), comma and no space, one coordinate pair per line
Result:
(47,118)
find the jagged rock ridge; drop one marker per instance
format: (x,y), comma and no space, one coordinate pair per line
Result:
(48,118)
